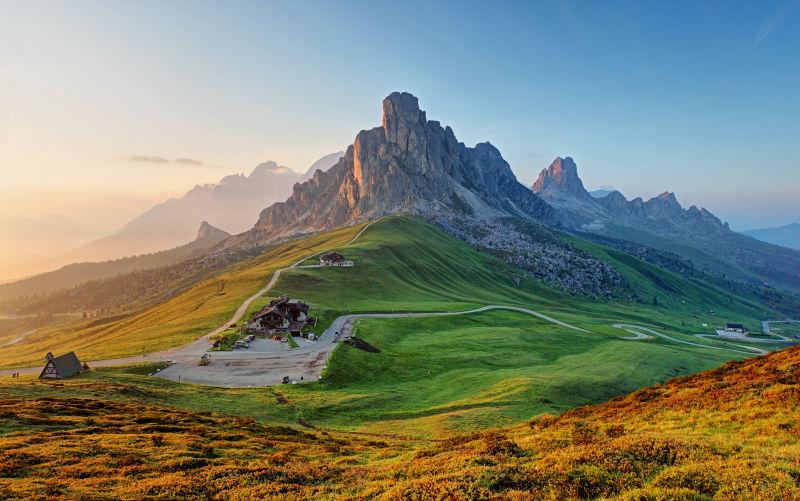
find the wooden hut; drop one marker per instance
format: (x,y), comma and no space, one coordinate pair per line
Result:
(61,367)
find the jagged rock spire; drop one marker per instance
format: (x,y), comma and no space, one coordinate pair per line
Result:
(562,173)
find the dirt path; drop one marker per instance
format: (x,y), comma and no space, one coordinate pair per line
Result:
(194,350)
(18,338)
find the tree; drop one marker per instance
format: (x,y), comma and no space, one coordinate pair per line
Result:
(655,300)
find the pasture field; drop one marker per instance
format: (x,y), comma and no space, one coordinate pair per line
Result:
(177,320)
(439,375)
(729,433)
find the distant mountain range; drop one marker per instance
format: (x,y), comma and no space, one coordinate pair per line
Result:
(413,165)
(786,236)
(78,273)
(232,204)
(661,222)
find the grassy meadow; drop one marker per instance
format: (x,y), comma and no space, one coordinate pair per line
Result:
(457,407)
(177,320)
(729,433)
(438,375)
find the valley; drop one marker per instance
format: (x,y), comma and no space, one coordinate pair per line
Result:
(344,251)
(433,306)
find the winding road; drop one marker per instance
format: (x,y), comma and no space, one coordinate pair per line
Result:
(268,365)
(642,333)
(274,360)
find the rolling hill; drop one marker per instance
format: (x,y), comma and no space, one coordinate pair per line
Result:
(432,376)
(728,433)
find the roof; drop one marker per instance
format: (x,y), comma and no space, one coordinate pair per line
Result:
(281,307)
(736,326)
(276,309)
(332,256)
(65,365)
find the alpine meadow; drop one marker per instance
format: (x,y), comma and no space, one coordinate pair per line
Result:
(383,311)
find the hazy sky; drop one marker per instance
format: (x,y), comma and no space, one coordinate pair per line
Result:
(141,99)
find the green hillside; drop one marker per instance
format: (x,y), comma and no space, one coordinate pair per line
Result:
(405,264)
(437,374)
(176,320)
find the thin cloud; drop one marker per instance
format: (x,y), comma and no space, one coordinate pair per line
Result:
(775,20)
(157,160)
(146,159)
(188,161)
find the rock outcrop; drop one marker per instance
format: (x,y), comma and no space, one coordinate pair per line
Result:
(209,233)
(407,165)
(661,221)
(561,187)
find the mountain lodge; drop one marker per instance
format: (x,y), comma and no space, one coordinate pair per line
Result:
(280,315)
(736,328)
(61,367)
(334,259)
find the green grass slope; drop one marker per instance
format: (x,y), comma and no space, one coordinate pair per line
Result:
(177,320)
(437,375)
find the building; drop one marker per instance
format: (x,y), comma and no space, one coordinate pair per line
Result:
(735,328)
(334,259)
(61,367)
(280,315)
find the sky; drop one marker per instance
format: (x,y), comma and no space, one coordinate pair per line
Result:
(115,105)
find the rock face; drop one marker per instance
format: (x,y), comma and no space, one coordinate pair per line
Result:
(663,223)
(561,187)
(562,175)
(209,233)
(407,165)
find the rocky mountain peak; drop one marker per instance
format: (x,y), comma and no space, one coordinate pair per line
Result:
(407,165)
(668,196)
(209,232)
(563,174)
(400,113)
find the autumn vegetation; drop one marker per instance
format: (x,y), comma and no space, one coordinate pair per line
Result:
(727,433)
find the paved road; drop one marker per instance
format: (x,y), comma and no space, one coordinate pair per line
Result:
(192,352)
(766,330)
(245,368)
(642,333)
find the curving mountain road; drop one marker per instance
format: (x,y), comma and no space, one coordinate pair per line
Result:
(195,349)
(273,360)
(641,333)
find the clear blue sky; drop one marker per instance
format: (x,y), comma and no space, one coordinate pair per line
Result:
(700,98)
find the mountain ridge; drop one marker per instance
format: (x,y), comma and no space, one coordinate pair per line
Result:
(75,274)
(787,235)
(662,222)
(407,165)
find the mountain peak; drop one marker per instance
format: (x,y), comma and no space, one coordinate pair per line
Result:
(562,173)
(400,113)
(407,165)
(271,167)
(668,196)
(207,231)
